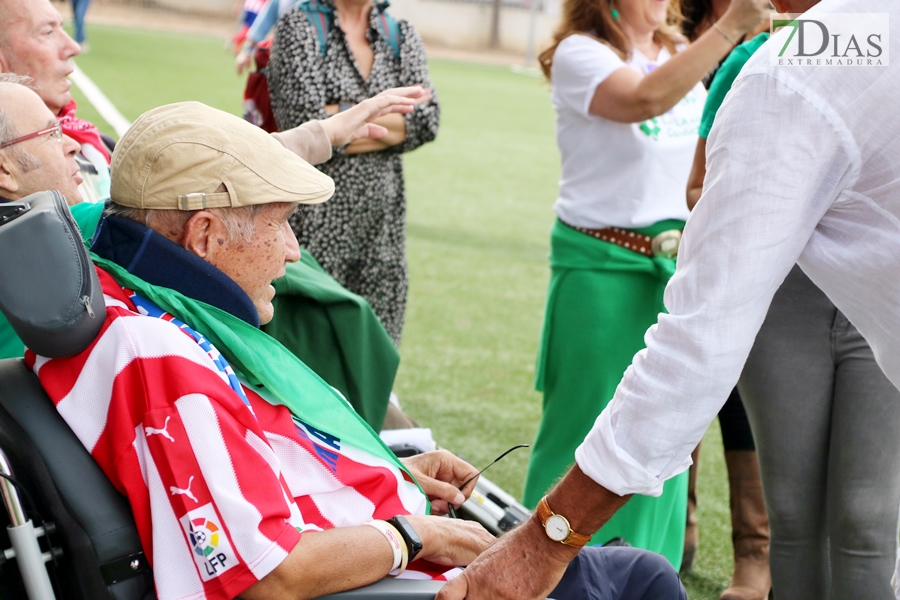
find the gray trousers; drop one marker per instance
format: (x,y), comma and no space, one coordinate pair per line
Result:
(827,427)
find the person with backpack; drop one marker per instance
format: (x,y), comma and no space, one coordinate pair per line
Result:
(328,55)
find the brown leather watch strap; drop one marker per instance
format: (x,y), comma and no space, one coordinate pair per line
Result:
(576,540)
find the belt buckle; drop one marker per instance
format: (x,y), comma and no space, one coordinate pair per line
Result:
(666,243)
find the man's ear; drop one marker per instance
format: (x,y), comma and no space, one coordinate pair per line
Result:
(9,181)
(205,236)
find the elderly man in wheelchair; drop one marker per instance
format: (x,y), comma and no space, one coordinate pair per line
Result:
(246,474)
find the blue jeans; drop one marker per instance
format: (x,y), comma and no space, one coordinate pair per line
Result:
(619,573)
(79,9)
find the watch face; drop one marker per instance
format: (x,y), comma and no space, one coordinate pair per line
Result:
(557,528)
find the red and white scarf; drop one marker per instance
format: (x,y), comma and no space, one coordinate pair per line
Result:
(82,131)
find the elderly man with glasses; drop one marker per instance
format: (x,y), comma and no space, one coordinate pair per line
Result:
(34,153)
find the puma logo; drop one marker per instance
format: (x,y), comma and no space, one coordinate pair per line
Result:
(176,491)
(148,431)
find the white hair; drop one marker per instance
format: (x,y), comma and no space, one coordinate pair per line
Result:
(239,222)
(8,131)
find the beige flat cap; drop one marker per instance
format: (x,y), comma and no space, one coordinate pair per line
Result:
(177,156)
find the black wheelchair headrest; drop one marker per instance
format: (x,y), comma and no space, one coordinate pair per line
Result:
(49,289)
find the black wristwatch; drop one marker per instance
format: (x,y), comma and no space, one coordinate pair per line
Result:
(409,535)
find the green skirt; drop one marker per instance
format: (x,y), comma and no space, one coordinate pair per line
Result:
(600,302)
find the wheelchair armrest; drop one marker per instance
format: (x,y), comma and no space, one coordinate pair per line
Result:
(393,589)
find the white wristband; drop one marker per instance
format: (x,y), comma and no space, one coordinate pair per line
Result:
(401,554)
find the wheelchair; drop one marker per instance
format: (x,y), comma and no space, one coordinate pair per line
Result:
(69,534)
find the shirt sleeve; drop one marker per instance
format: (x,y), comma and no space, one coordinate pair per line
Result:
(580,64)
(263,22)
(422,123)
(751,224)
(308,141)
(200,477)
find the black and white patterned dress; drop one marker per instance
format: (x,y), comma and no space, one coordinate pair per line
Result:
(359,236)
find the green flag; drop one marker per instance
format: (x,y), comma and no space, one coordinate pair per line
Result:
(261,359)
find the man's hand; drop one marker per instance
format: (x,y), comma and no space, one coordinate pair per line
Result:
(525,564)
(243,60)
(522,565)
(356,123)
(450,542)
(440,474)
(744,15)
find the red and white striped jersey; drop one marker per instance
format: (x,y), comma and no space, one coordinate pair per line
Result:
(220,493)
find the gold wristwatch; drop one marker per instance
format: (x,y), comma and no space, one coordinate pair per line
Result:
(557,527)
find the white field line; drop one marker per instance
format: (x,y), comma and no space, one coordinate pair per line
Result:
(96,97)
(529,71)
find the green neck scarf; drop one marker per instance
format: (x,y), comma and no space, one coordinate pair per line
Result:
(263,360)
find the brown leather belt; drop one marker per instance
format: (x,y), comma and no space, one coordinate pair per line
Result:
(664,244)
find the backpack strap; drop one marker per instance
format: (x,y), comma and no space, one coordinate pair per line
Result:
(389,28)
(321,16)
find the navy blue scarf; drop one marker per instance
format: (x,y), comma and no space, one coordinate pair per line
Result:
(160,261)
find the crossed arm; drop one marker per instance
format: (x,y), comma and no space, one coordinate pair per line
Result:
(394,125)
(378,120)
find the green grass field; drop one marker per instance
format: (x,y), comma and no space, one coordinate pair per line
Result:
(480,202)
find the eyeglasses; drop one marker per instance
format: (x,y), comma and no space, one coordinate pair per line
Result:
(55,131)
(452,510)
(496,460)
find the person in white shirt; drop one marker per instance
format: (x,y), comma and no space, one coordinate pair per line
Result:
(803,166)
(810,384)
(628,102)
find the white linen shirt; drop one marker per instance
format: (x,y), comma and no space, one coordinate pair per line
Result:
(803,166)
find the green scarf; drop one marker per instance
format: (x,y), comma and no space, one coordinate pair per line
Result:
(337,335)
(263,360)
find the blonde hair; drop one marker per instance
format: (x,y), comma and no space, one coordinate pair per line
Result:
(595,18)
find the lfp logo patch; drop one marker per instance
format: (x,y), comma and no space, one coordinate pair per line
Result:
(204,536)
(209,544)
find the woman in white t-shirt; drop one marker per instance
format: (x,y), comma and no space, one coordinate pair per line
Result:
(628,103)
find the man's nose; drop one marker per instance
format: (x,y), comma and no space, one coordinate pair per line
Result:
(70,146)
(70,48)
(291,245)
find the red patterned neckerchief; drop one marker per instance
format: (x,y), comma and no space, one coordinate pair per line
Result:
(81,131)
